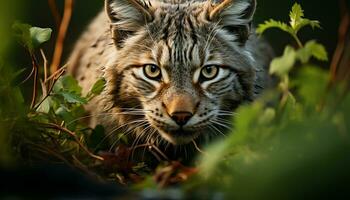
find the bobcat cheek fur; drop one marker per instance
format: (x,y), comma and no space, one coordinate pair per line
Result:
(175,70)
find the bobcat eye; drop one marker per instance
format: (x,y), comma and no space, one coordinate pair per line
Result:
(152,71)
(209,72)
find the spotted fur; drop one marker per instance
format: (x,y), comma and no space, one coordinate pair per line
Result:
(180,37)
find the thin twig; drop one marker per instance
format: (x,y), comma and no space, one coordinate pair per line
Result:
(45,63)
(58,72)
(35,80)
(68,9)
(48,93)
(28,77)
(71,133)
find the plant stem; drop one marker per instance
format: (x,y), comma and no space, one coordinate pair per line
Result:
(300,45)
(35,80)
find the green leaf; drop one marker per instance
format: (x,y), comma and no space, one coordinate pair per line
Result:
(296,15)
(282,65)
(312,49)
(304,22)
(45,105)
(317,50)
(273,24)
(39,35)
(97,88)
(31,37)
(72,97)
(297,21)
(64,113)
(22,34)
(67,83)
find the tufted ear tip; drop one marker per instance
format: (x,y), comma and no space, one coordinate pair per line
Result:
(218,8)
(129,9)
(244,8)
(127,16)
(235,16)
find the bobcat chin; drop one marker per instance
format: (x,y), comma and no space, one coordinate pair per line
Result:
(175,70)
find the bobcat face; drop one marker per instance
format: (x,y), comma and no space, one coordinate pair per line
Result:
(184,64)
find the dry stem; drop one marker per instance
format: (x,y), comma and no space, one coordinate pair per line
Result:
(71,133)
(68,9)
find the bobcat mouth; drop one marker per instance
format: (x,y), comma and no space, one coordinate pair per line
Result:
(179,136)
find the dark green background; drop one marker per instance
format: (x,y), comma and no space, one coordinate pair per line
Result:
(37,13)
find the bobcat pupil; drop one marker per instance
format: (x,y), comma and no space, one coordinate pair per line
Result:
(153,69)
(209,70)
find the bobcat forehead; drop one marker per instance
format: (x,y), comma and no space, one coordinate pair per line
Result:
(175,70)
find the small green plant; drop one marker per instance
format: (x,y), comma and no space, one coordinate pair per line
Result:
(56,132)
(283,65)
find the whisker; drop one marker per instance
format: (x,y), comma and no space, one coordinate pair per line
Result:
(128,131)
(134,113)
(220,124)
(197,148)
(217,130)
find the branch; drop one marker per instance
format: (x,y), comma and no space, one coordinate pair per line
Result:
(35,80)
(54,77)
(68,9)
(71,133)
(45,64)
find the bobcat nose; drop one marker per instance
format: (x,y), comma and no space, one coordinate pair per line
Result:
(181,118)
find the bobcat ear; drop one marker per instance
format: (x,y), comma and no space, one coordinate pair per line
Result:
(234,16)
(127,16)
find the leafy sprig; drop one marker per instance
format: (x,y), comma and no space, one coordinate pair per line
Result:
(297,21)
(281,66)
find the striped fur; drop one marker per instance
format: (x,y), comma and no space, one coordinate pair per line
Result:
(180,37)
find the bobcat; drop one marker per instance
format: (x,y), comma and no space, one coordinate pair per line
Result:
(175,70)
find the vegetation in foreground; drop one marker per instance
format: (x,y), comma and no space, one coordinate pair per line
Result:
(293,142)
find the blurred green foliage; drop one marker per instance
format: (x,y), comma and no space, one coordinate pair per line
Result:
(291,143)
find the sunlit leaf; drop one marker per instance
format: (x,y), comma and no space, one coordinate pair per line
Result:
(312,49)
(282,65)
(297,20)
(305,22)
(31,37)
(296,15)
(39,35)
(273,24)
(45,106)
